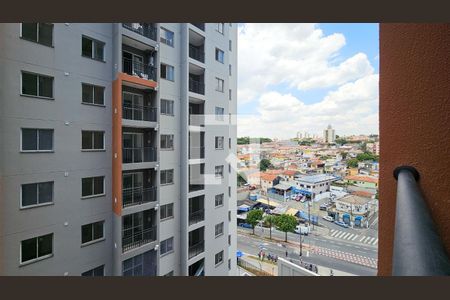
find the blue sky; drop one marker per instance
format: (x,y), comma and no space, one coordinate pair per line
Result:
(350,56)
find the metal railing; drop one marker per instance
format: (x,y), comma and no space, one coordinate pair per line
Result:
(196,86)
(144,29)
(196,152)
(196,216)
(139,113)
(138,195)
(196,187)
(252,268)
(418,248)
(196,53)
(196,249)
(138,155)
(138,69)
(199,25)
(138,239)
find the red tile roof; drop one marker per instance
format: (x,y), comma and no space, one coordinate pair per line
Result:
(362,178)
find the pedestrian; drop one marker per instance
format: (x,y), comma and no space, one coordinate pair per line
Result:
(287,253)
(310,267)
(259,254)
(263,255)
(269,257)
(316,269)
(331,272)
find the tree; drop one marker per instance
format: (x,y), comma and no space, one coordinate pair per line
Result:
(344,155)
(269,219)
(253,218)
(341,141)
(240,180)
(265,164)
(352,163)
(286,223)
(366,156)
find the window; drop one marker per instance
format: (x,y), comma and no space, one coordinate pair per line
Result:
(92,48)
(229,264)
(167,141)
(230,45)
(34,194)
(219,55)
(169,274)
(219,200)
(140,265)
(93,186)
(166,37)
(229,239)
(219,113)
(219,229)
(166,246)
(92,232)
(92,94)
(229,191)
(229,70)
(167,176)
(92,140)
(218,258)
(219,171)
(229,215)
(220,27)
(99,271)
(229,168)
(219,84)
(166,211)
(167,72)
(167,107)
(219,142)
(41,33)
(36,248)
(37,85)
(37,140)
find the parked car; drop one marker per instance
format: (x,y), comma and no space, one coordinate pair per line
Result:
(323,206)
(328,218)
(305,230)
(245,225)
(340,223)
(302,200)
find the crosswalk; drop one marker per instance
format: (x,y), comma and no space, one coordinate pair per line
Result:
(339,234)
(350,257)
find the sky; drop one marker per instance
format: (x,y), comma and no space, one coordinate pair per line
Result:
(301,77)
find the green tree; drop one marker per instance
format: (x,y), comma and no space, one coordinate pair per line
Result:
(240,179)
(265,164)
(366,156)
(253,218)
(341,141)
(352,163)
(344,155)
(269,219)
(286,223)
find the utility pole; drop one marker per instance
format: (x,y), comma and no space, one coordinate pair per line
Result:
(300,243)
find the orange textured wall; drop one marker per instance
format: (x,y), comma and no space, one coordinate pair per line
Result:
(117,147)
(414,122)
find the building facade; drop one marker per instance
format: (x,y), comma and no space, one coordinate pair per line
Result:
(328,135)
(116,146)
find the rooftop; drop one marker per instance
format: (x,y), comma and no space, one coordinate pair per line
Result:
(316,178)
(355,200)
(362,178)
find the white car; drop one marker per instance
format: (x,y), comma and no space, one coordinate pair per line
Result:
(328,218)
(302,229)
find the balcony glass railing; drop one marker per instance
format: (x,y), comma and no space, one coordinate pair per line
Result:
(139,113)
(139,69)
(196,187)
(138,238)
(196,86)
(199,25)
(138,155)
(196,216)
(197,120)
(196,152)
(138,195)
(144,29)
(196,249)
(196,53)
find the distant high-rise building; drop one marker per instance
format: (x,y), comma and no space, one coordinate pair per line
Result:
(299,135)
(328,135)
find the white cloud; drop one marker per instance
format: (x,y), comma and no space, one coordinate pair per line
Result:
(299,55)
(351,109)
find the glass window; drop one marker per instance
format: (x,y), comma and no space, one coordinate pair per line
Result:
(219,171)
(167,37)
(92,186)
(41,33)
(167,72)
(92,48)
(219,84)
(220,56)
(219,229)
(99,271)
(36,247)
(167,176)
(167,107)
(92,232)
(166,246)
(220,27)
(167,141)
(92,140)
(219,113)
(219,200)
(37,139)
(219,142)
(37,85)
(229,45)
(140,265)
(166,211)
(218,258)
(92,94)
(37,193)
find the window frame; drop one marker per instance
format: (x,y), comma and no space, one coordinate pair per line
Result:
(38,258)
(93,86)
(93,141)
(221,227)
(37,141)
(93,41)
(220,28)
(166,66)
(216,142)
(164,40)
(221,201)
(168,138)
(172,250)
(37,34)
(92,270)
(165,207)
(220,87)
(21,206)
(219,117)
(93,241)
(93,195)
(37,85)
(217,55)
(216,173)
(172,106)
(165,172)
(220,256)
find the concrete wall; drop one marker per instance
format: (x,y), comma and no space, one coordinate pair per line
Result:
(286,268)
(414,122)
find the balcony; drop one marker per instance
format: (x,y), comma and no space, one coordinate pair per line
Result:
(136,68)
(196,249)
(196,86)
(144,29)
(138,155)
(138,196)
(196,216)
(138,239)
(196,53)
(196,152)
(139,112)
(200,26)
